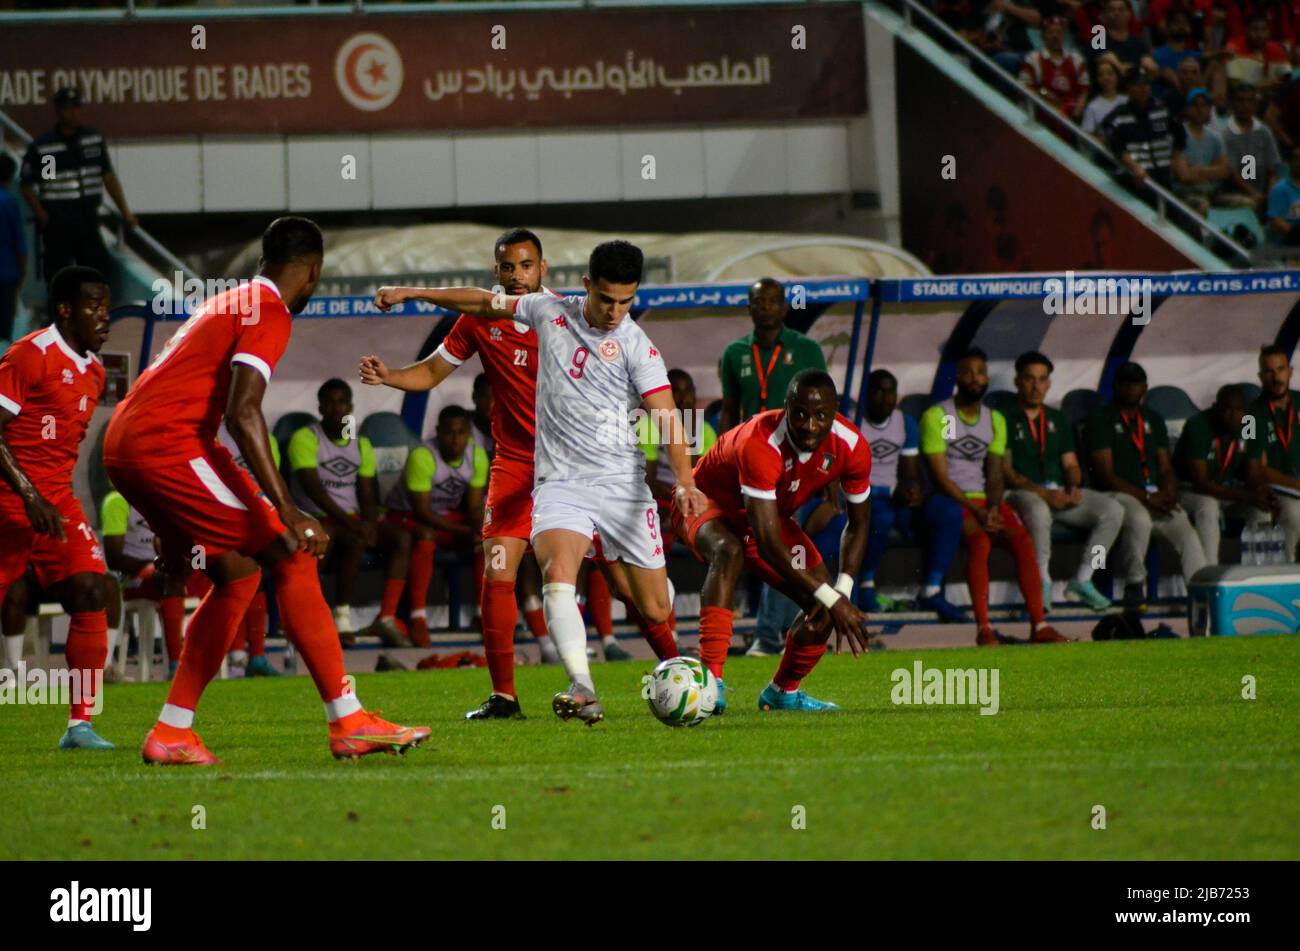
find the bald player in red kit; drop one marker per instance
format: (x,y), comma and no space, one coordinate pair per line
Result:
(161,454)
(508,350)
(50,383)
(756,477)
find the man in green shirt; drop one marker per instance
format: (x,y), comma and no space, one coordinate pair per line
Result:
(334,481)
(1210,461)
(1129,448)
(1047,483)
(963,443)
(756,370)
(1272,452)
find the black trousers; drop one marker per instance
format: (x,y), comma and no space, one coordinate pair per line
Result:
(73,242)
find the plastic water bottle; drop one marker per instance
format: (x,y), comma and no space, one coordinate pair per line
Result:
(1249,550)
(1278,537)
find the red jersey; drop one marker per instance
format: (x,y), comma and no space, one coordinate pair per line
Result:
(52,391)
(508,350)
(172,413)
(756,459)
(1067,80)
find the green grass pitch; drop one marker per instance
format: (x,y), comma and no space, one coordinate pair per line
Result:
(1157,733)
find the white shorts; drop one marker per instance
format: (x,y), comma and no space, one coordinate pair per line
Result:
(625,515)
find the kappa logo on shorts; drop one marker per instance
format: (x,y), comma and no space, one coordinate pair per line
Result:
(609,350)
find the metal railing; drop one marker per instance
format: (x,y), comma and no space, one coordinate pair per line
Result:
(1168,207)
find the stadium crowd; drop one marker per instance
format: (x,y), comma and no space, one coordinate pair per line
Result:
(1200,96)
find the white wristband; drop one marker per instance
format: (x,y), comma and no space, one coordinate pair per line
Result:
(827,595)
(844,585)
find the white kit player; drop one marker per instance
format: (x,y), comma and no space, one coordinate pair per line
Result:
(594,368)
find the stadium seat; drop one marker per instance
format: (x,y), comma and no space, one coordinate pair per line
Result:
(283,430)
(392,441)
(915,404)
(1174,405)
(1078,405)
(1004,401)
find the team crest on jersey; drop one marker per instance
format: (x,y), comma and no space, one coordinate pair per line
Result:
(827,461)
(609,350)
(487,514)
(495,334)
(560,322)
(67,377)
(788,359)
(789,464)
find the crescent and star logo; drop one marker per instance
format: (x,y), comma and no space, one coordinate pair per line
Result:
(368,70)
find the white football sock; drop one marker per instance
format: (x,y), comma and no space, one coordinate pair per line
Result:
(342,706)
(564,622)
(418,613)
(931,590)
(13,650)
(178,717)
(343,617)
(605,641)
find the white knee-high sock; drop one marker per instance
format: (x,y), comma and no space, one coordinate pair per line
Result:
(564,622)
(13,650)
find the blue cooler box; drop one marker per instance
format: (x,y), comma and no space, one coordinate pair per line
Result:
(1245,599)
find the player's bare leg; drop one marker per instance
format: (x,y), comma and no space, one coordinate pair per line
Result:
(501,559)
(560,553)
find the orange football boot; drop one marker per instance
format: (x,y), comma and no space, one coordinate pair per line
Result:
(363,732)
(172,746)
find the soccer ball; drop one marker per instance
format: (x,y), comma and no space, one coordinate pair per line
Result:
(681,692)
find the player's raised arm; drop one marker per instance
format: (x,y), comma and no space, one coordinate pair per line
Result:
(474,301)
(247,426)
(664,411)
(415,377)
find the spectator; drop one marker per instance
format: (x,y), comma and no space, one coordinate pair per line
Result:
(13,249)
(334,481)
(1059,76)
(1253,158)
(481,418)
(1142,134)
(661,478)
(1108,97)
(963,442)
(1210,461)
(757,369)
(1178,46)
(1006,30)
(65,172)
(1116,37)
(1201,166)
(1187,78)
(1272,452)
(438,503)
(1256,59)
(1130,462)
(1046,482)
(1284,206)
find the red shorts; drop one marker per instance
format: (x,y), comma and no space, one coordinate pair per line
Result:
(508,511)
(441,537)
(208,502)
(53,560)
(791,534)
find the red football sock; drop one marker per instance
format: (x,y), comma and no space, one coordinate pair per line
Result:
(658,636)
(420,574)
(254,628)
(309,625)
(1031,580)
(393,589)
(211,631)
(86,652)
(797,663)
(536,621)
(715,637)
(497,608)
(599,605)
(172,610)
(977,576)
